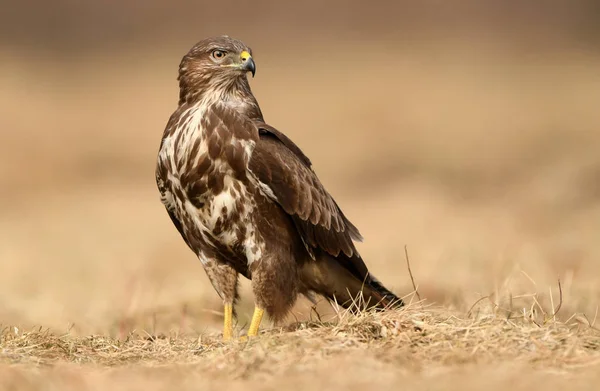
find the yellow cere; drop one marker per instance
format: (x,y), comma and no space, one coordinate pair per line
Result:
(245,55)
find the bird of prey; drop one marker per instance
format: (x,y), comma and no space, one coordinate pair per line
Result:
(245,198)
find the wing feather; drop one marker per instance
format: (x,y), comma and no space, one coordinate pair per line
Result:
(280,165)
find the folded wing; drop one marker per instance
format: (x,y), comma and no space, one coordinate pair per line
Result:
(287,176)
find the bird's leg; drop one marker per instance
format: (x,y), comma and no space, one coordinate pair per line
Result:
(228,322)
(224,279)
(255,323)
(275,287)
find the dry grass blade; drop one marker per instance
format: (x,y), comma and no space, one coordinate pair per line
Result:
(560,302)
(474,304)
(412,279)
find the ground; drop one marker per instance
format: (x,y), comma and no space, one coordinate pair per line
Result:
(481,157)
(419,347)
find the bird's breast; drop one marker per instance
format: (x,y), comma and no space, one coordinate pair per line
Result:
(206,146)
(203,164)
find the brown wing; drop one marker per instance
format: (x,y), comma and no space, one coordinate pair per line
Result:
(280,165)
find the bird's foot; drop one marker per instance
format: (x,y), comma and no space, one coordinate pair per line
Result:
(228,324)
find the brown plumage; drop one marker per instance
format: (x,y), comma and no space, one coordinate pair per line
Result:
(245,199)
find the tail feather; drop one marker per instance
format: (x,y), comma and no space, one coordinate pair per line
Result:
(328,277)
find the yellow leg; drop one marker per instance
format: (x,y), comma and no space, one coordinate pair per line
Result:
(228,322)
(256,319)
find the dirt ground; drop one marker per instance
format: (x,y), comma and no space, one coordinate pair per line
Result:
(477,149)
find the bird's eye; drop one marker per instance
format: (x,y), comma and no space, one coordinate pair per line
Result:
(218,54)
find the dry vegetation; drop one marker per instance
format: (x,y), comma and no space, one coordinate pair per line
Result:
(369,349)
(478,151)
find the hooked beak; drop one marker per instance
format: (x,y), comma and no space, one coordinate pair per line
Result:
(248,64)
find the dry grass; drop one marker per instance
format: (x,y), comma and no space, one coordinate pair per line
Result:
(415,340)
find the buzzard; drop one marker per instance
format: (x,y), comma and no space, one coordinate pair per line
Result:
(245,199)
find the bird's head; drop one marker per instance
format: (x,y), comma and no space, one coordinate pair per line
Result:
(217,65)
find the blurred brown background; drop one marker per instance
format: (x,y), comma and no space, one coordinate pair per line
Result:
(467,130)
